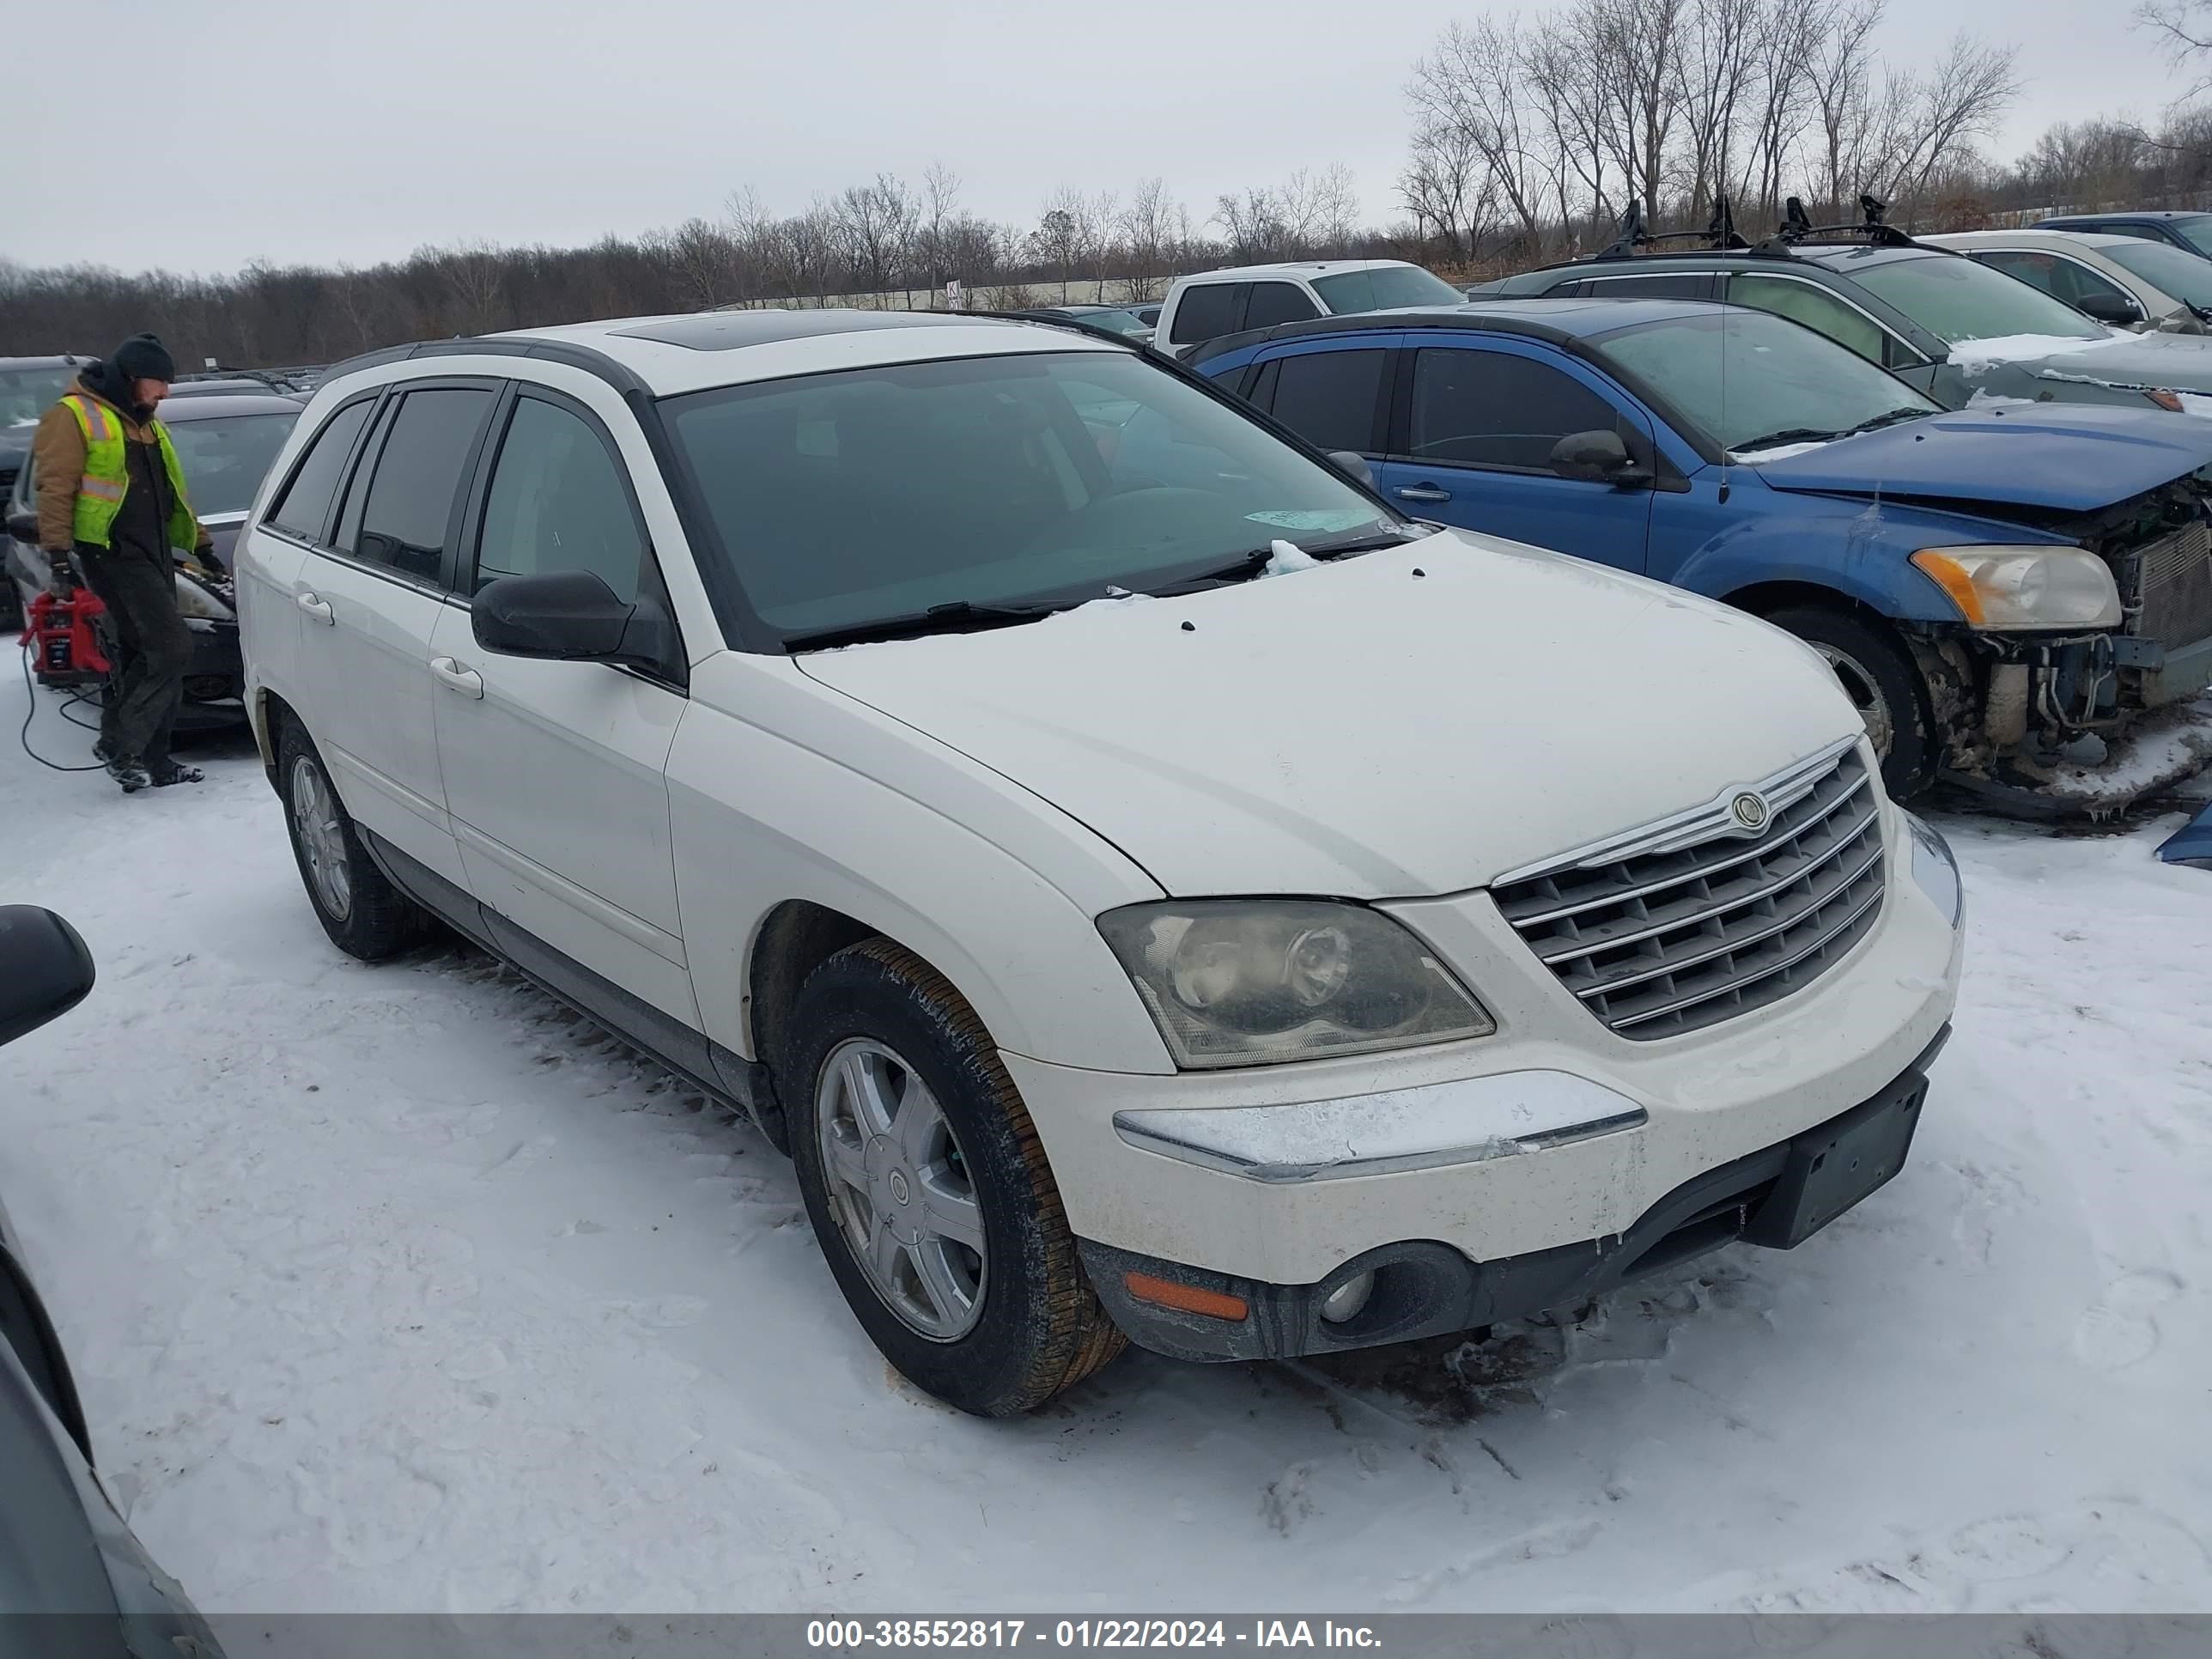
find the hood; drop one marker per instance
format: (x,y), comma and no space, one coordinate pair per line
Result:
(1408,722)
(222,530)
(2073,457)
(2179,362)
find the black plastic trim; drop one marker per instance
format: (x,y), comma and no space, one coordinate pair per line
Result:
(25,1325)
(616,373)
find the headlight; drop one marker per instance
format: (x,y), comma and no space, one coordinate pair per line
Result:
(2003,588)
(1250,981)
(196,601)
(1934,869)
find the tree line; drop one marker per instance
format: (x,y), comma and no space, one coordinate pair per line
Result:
(1528,141)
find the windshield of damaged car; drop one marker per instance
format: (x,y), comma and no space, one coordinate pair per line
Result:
(1956,299)
(1752,381)
(847,499)
(225,460)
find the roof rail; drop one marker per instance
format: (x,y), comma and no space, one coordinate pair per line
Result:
(1797,228)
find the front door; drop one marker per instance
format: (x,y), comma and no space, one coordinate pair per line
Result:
(370,600)
(555,772)
(1471,447)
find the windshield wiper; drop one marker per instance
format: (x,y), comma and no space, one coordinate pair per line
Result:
(1888,417)
(1788,434)
(959,616)
(1249,564)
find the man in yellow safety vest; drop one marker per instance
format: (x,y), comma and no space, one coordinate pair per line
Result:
(111,501)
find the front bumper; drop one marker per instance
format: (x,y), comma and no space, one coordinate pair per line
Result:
(1778,1196)
(215,680)
(1552,1132)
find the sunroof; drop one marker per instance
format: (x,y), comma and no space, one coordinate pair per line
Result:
(726,331)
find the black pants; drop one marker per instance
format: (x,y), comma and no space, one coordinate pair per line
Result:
(152,648)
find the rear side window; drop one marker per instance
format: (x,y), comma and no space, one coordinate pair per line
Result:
(1329,397)
(558,502)
(1677,285)
(305,509)
(1489,409)
(1207,312)
(408,504)
(1277,302)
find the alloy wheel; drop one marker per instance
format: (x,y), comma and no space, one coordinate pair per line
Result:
(322,838)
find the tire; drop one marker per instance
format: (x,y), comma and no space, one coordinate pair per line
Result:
(871,1024)
(1877,674)
(366,916)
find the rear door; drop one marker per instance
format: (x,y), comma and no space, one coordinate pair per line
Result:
(1333,392)
(555,772)
(1472,431)
(373,597)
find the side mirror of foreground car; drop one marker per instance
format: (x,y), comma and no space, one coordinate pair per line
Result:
(44,970)
(1353,465)
(572,615)
(24,528)
(1597,458)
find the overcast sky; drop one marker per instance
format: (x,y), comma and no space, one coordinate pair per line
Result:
(296,133)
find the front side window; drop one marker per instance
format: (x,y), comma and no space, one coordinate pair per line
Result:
(1801,302)
(305,508)
(1748,381)
(1277,302)
(1207,312)
(1385,289)
(224,460)
(2068,280)
(2187,276)
(403,517)
(558,502)
(2196,231)
(1329,397)
(842,501)
(1956,300)
(1492,409)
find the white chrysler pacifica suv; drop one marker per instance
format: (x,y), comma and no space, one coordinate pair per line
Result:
(1152,889)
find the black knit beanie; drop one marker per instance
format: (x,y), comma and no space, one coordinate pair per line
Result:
(144,357)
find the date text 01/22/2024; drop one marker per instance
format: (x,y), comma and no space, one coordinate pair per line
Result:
(836,1633)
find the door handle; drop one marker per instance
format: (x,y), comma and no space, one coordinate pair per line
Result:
(1423,493)
(316,607)
(454,677)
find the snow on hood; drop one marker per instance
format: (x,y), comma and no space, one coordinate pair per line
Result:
(1366,731)
(2072,458)
(1974,355)
(1778,453)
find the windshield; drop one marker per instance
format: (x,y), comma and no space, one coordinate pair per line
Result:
(2196,231)
(849,499)
(1750,380)
(1955,299)
(1386,288)
(27,393)
(2186,276)
(225,460)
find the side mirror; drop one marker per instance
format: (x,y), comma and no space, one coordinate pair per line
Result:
(571,615)
(44,970)
(1597,457)
(1353,465)
(24,528)
(2115,308)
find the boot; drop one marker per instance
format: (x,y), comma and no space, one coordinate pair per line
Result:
(130,774)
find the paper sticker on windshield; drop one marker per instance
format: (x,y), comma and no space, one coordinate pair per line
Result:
(1335,518)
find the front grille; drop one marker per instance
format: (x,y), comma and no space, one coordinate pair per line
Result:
(1675,938)
(2168,586)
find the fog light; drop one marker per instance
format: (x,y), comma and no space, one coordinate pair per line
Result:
(1346,1301)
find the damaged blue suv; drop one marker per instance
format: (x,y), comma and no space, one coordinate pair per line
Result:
(2017,597)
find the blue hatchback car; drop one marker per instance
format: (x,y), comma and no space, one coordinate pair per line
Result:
(1993,586)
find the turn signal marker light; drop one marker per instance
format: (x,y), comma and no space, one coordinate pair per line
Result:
(1186,1298)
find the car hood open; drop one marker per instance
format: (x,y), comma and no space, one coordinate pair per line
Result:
(1407,722)
(2073,457)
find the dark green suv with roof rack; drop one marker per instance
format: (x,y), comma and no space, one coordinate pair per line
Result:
(1959,330)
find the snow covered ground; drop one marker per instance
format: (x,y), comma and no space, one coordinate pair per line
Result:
(398,1288)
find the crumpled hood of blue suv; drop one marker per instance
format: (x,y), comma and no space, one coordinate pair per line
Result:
(2068,458)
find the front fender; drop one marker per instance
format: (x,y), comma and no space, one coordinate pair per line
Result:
(808,795)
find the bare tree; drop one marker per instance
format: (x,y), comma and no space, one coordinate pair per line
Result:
(2181,30)
(1153,227)
(1960,98)
(1466,93)
(1058,239)
(1840,74)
